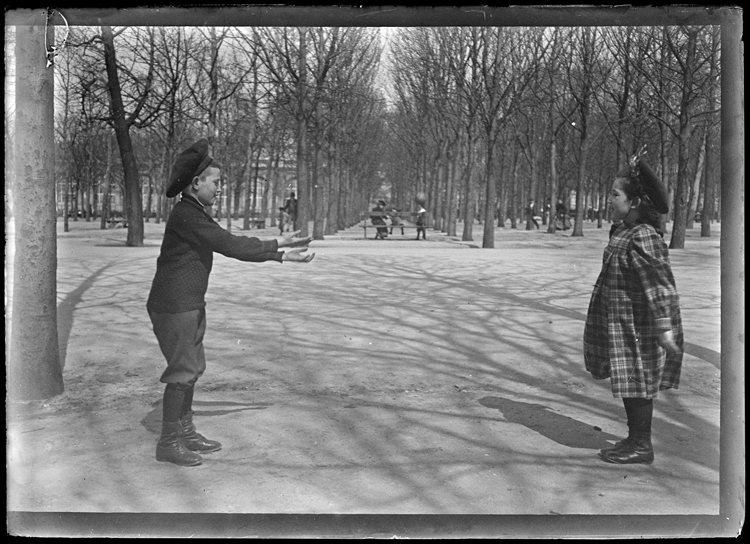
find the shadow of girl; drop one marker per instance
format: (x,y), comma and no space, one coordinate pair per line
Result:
(561,429)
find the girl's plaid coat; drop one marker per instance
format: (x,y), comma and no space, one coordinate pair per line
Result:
(634,300)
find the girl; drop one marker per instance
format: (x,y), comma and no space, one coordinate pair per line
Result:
(633,333)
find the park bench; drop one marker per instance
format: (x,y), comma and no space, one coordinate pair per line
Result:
(256,221)
(366,219)
(115,222)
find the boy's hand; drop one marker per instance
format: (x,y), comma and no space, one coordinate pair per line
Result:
(296,256)
(290,241)
(666,340)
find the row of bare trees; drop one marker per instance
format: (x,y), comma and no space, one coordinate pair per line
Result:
(487,118)
(263,97)
(481,119)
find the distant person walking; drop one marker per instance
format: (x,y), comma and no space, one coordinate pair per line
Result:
(290,207)
(422,222)
(531,215)
(633,333)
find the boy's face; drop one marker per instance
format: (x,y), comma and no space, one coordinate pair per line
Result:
(208,187)
(619,201)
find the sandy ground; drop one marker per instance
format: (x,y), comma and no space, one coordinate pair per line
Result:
(385,377)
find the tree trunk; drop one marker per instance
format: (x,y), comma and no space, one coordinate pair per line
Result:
(332,213)
(578,227)
(467,235)
(34,370)
(490,202)
(552,227)
(303,204)
(228,184)
(451,197)
(707,212)
(107,185)
(150,184)
(695,191)
(248,189)
(319,185)
(680,197)
(513,189)
(133,198)
(66,212)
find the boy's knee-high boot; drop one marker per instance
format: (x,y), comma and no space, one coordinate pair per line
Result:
(190,437)
(171,449)
(193,440)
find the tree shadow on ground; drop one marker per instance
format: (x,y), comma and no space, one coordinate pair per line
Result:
(152,420)
(559,428)
(66,308)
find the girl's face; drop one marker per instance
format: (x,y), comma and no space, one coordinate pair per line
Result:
(619,201)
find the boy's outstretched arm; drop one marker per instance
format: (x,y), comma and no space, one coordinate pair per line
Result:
(295,255)
(290,241)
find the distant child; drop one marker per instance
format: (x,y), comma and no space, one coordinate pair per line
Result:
(176,303)
(379,219)
(422,222)
(396,221)
(285,221)
(633,332)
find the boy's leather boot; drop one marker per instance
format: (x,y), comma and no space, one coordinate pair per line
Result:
(193,440)
(171,449)
(639,450)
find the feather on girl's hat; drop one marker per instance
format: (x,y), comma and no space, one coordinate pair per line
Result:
(653,188)
(188,164)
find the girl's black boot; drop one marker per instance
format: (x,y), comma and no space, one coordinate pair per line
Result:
(624,443)
(639,450)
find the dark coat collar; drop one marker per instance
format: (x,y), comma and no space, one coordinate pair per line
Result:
(190,199)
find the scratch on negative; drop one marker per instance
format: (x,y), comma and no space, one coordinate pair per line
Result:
(375,13)
(484,15)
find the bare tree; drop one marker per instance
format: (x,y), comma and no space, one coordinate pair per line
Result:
(583,82)
(508,62)
(707,212)
(122,123)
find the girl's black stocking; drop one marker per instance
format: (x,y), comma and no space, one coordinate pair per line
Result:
(640,414)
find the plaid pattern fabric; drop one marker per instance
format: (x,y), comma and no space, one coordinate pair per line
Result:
(634,299)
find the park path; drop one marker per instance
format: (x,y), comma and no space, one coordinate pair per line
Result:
(385,377)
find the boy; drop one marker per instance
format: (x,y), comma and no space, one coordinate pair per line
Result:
(176,303)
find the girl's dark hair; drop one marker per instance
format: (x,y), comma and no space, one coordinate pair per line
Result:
(633,188)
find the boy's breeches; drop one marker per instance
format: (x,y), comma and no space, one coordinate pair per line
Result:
(180,338)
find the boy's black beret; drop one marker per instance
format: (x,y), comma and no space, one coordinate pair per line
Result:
(188,164)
